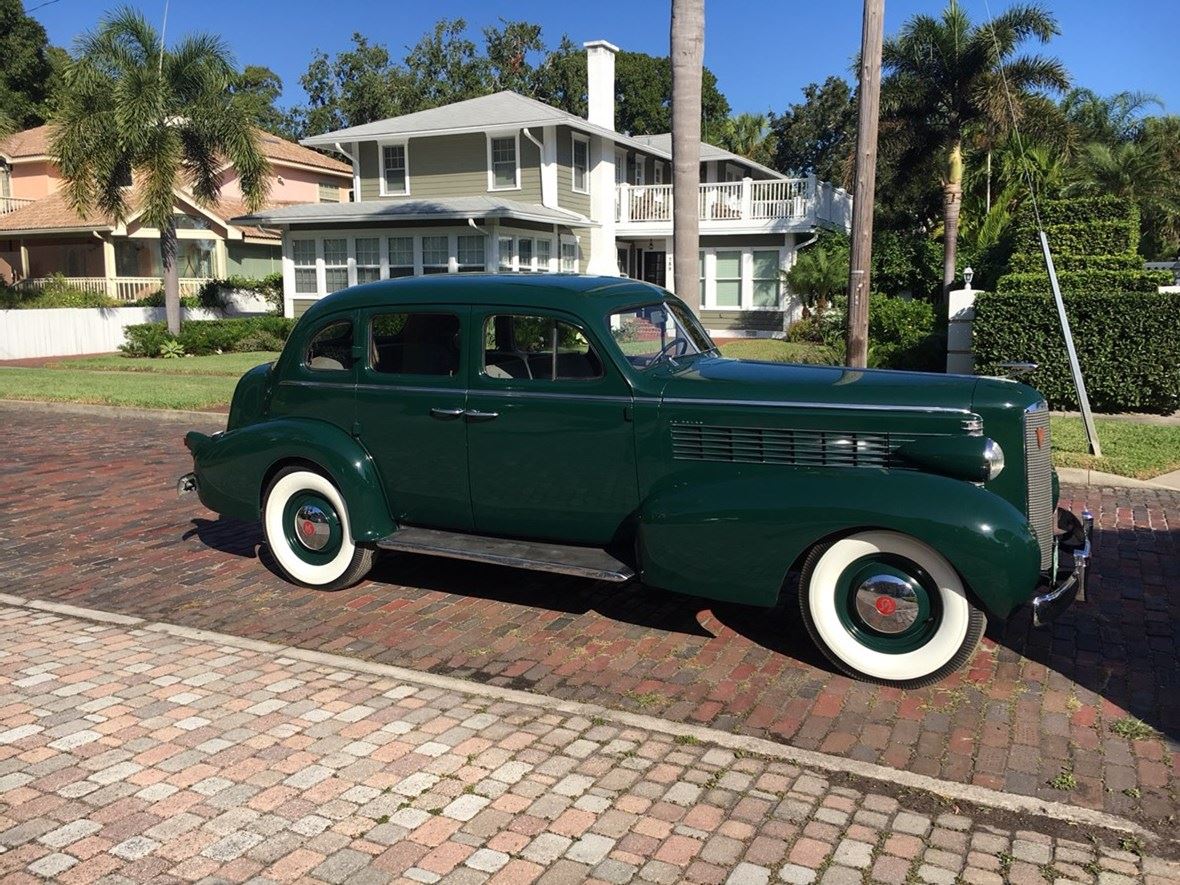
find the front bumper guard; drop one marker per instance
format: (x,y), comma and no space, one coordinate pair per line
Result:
(1069,580)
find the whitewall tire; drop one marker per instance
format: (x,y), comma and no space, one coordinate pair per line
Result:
(305,522)
(888,608)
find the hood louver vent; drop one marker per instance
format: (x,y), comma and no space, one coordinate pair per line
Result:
(773,445)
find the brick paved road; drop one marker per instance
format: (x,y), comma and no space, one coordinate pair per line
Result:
(89,517)
(128,754)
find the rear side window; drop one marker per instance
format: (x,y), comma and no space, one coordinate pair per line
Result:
(415,344)
(330,349)
(538,348)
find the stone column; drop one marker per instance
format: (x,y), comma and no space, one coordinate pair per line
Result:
(960,315)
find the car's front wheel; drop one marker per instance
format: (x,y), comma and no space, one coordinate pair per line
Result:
(888,608)
(305,521)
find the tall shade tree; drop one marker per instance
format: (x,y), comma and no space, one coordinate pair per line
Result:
(688,53)
(137,120)
(946,81)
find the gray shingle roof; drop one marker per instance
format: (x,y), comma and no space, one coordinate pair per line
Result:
(662,143)
(458,208)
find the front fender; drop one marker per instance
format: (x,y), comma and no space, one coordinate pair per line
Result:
(735,537)
(232,467)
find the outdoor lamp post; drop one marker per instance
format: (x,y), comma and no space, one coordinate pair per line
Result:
(968,276)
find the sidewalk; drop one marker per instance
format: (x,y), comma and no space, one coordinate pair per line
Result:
(129,751)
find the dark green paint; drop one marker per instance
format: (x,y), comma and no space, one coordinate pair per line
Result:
(929,604)
(335,537)
(591,462)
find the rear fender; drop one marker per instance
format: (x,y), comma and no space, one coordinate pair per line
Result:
(734,538)
(233,468)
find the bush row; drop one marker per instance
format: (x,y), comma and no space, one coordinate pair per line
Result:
(1085,282)
(1034,262)
(1079,210)
(1083,238)
(1128,346)
(199,337)
(903,333)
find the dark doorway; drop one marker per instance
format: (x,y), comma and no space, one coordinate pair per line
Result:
(655,268)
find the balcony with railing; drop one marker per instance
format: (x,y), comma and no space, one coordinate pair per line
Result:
(769,205)
(11,204)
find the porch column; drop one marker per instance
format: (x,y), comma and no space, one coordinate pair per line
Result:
(108,267)
(24,260)
(220,260)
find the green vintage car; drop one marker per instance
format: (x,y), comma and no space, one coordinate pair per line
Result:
(589,426)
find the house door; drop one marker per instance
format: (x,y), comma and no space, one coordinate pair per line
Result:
(655,268)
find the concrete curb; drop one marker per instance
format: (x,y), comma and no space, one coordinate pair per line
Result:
(951,790)
(172,416)
(1083,477)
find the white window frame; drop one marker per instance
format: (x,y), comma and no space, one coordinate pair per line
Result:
(567,240)
(347,266)
(387,259)
(482,239)
(577,138)
(494,136)
(313,267)
(547,266)
(405,146)
(640,170)
(746,300)
(658,172)
(356,259)
(620,166)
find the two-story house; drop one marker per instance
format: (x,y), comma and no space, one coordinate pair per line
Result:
(41,236)
(505,182)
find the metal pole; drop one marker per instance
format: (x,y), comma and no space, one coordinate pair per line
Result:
(872,35)
(1074,367)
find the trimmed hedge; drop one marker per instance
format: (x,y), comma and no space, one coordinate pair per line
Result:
(1085,282)
(199,337)
(1081,238)
(1128,346)
(1034,262)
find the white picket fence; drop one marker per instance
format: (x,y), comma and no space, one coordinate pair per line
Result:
(69,331)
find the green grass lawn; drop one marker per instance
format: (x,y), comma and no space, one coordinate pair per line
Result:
(775,351)
(234,364)
(1129,448)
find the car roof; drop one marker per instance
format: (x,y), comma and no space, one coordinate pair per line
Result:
(568,291)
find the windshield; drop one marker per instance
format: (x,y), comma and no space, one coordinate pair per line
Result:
(666,330)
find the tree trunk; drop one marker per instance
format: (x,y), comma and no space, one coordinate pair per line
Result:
(952,201)
(688,52)
(168,246)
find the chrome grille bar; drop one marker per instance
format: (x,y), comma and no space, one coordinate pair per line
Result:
(1038,466)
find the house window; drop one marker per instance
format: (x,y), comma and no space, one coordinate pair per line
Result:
(640,170)
(524,255)
(581,164)
(506,256)
(569,256)
(303,257)
(401,256)
(470,253)
(729,278)
(620,167)
(335,264)
(5,180)
(368,259)
(767,278)
(329,193)
(394,179)
(505,173)
(658,173)
(544,255)
(436,255)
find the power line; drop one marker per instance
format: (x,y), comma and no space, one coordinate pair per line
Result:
(40,6)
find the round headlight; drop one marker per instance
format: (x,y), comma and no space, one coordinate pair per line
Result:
(993,455)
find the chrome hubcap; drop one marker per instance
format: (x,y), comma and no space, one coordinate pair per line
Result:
(312,528)
(887,603)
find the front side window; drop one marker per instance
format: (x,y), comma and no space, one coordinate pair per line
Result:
(569,256)
(415,344)
(303,257)
(537,348)
(505,246)
(393,166)
(504,168)
(336,264)
(401,256)
(470,253)
(581,164)
(330,349)
(544,252)
(436,254)
(524,254)
(729,278)
(658,332)
(766,278)
(368,259)
(329,193)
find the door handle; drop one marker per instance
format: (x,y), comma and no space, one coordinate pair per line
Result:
(476,415)
(446,414)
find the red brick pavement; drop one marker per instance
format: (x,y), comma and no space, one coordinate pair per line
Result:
(89,517)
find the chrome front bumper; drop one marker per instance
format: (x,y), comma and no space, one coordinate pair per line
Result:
(1069,579)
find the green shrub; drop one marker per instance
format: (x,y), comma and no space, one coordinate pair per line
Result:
(156,299)
(212,294)
(1128,346)
(903,333)
(805,330)
(1090,238)
(199,337)
(57,292)
(1085,282)
(259,341)
(1034,262)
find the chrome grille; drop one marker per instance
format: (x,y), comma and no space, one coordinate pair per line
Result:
(1038,469)
(774,445)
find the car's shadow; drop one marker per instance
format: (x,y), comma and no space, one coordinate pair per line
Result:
(1121,644)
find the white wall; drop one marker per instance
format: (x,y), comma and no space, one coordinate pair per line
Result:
(67,331)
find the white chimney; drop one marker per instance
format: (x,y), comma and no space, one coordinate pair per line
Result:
(600,82)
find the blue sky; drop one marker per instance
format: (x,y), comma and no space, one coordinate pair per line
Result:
(762,52)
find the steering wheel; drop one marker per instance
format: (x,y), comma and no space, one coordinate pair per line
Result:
(667,348)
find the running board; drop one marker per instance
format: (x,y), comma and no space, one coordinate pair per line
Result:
(564,559)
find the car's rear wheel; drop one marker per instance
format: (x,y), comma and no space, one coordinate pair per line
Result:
(888,608)
(305,521)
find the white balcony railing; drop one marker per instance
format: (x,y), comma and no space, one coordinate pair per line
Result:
(746,201)
(120,288)
(11,204)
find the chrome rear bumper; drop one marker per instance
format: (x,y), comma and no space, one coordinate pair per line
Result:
(1069,580)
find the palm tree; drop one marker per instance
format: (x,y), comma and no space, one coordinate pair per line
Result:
(1110,119)
(134,111)
(948,79)
(820,273)
(688,52)
(749,135)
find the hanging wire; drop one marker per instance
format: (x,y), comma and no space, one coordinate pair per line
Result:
(1032,188)
(163,38)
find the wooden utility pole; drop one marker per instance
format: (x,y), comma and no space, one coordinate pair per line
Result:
(872,35)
